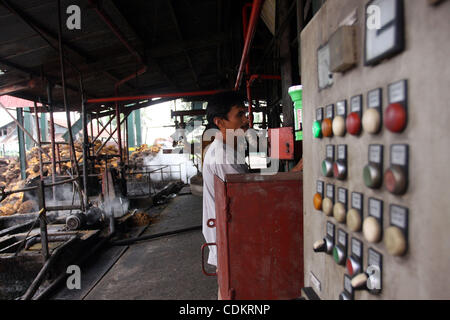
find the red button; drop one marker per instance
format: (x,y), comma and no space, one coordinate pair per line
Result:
(395,118)
(335,170)
(353,123)
(349,267)
(389,180)
(327,128)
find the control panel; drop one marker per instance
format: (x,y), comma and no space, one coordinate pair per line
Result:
(376,150)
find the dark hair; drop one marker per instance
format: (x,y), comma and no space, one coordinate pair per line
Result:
(220,104)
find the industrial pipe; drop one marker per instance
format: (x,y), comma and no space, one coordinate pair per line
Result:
(256,11)
(160,95)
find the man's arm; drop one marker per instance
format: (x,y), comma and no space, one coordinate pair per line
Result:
(298,166)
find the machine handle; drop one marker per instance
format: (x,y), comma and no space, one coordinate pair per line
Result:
(203,260)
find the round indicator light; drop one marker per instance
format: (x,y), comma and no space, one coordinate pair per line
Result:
(339,126)
(395,241)
(327,168)
(317,201)
(354,220)
(353,123)
(395,180)
(372,230)
(395,118)
(372,176)
(371,121)
(327,206)
(327,128)
(317,129)
(339,212)
(340,170)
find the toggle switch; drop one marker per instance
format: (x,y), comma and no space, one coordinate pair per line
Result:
(372,225)
(339,121)
(328,202)
(326,244)
(395,236)
(395,117)
(353,121)
(371,278)
(372,172)
(340,208)
(396,177)
(371,120)
(354,215)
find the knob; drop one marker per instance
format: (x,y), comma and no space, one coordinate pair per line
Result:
(339,126)
(317,201)
(353,123)
(395,180)
(327,206)
(327,128)
(395,118)
(339,212)
(372,176)
(320,246)
(371,121)
(359,282)
(327,168)
(372,230)
(395,242)
(353,266)
(339,255)
(354,220)
(317,129)
(340,170)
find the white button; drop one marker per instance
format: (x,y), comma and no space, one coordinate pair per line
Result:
(372,230)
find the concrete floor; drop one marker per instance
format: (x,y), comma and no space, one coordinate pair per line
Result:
(167,268)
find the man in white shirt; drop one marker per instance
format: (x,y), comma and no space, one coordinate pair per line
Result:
(227,114)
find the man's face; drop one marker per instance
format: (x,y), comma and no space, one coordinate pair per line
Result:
(237,119)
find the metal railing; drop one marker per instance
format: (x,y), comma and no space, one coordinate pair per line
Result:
(150,179)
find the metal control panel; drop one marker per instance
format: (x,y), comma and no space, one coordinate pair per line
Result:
(376,149)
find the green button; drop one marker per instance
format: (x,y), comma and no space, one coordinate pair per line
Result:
(367,177)
(335,255)
(317,129)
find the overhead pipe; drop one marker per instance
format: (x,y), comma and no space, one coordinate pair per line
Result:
(23,85)
(256,12)
(159,95)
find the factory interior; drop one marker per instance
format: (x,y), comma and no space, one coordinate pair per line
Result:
(99,200)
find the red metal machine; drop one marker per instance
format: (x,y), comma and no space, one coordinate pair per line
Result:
(281,141)
(259,226)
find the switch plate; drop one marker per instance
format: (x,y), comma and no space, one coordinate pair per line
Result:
(375,99)
(398,217)
(343,49)
(342,239)
(387,39)
(329,112)
(330,192)
(320,188)
(341,108)
(348,289)
(376,210)
(319,114)
(330,152)
(356,252)
(400,159)
(342,196)
(356,105)
(358,202)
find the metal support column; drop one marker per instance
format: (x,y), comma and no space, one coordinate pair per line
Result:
(130,129)
(22,153)
(137,124)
